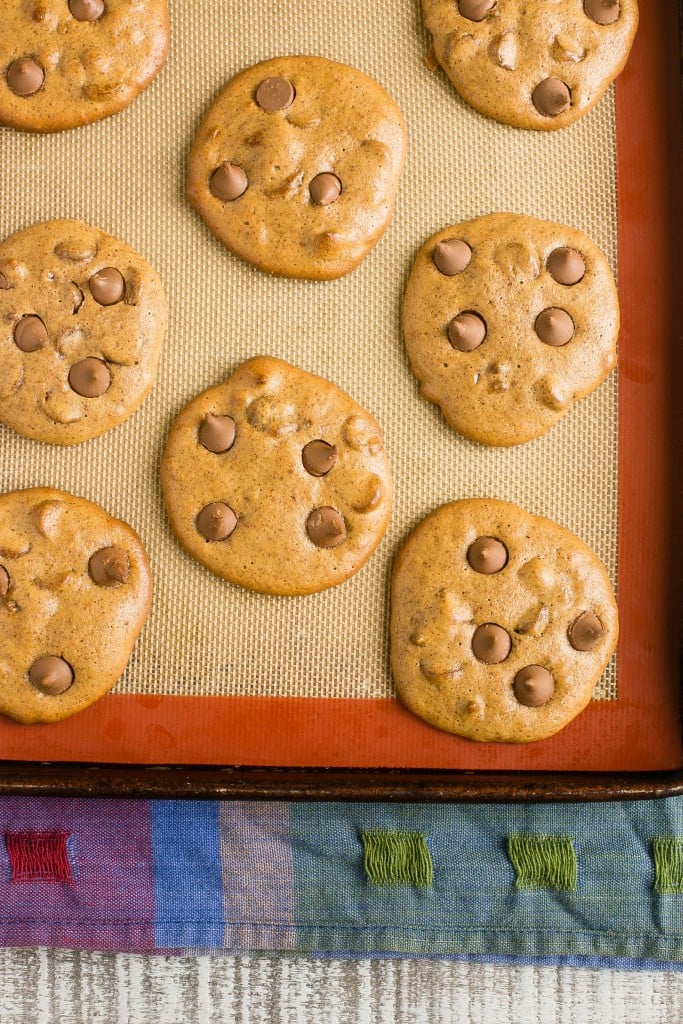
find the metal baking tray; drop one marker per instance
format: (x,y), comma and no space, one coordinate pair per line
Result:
(293,747)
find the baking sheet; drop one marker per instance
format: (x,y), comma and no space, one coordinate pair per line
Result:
(209,640)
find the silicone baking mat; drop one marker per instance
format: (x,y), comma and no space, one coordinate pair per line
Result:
(222,675)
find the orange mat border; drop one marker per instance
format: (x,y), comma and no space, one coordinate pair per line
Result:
(640,731)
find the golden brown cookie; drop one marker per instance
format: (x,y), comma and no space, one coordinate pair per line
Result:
(501,622)
(65,63)
(296,165)
(277,480)
(508,320)
(538,64)
(82,319)
(75,591)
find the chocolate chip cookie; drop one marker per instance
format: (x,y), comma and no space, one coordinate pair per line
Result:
(75,591)
(534,64)
(82,319)
(508,320)
(65,63)
(501,622)
(277,480)
(296,165)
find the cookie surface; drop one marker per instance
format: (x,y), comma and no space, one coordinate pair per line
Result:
(277,480)
(65,63)
(82,319)
(296,165)
(75,591)
(501,622)
(508,320)
(534,64)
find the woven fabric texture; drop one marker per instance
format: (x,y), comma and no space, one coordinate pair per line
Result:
(197,876)
(126,175)
(543,862)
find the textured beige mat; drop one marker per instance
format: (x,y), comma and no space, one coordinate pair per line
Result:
(126,175)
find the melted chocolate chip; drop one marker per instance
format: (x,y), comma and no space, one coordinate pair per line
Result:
(491,643)
(275,94)
(565,265)
(585,632)
(4,581)
(77,250)
(78,299)
(476,10)
(4,283)
(51,674)
(602,12)
(326,527)
(216,521)
(551,97)
(533,686)
(90,377)
(318,457)
(24,76)
(466,331)
(107,286)
(554,326)
(487,555)
(217,433)
(109,567)
(451,256)
(228,182)
(30,334)
(86,10)
(325,189)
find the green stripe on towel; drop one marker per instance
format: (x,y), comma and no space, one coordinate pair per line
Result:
(668,857)
(543,862)
(394,857)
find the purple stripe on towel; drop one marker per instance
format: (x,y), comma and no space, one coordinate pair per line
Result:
(258,876)
(108,902)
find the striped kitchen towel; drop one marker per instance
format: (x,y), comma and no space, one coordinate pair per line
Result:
(602,882)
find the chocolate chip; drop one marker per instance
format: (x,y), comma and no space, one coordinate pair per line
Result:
(86,10)
(326,527)
(52,675)
(78,299)
(4,581)
(476,10)
(228,182)
(551,97)
(585,632)
(318,457)
(487,555)
(275,94)
(90,377)
(217,433)
(491,643)
(109,567)
(565,265)
(451,256)
(24,76)
(216,521)
(77,249)
(554,326)
(107,286)
(30,334)
(325,189)
(4,283)
(533,686)
(603,12)
(466,331)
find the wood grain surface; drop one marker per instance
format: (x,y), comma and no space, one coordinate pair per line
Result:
(42,986)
